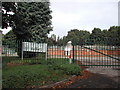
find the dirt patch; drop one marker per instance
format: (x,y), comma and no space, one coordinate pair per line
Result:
(17,64)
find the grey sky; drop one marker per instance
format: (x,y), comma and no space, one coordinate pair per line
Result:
(82,15)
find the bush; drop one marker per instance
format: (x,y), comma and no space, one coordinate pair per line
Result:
(51,70)
(71,69)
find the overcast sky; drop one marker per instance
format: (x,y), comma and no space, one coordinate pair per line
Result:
(82,15)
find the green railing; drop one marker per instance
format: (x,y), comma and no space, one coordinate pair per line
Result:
(89,55)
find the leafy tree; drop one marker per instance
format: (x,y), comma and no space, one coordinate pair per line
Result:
(104,37)
(31,21)
(53,36)
(113,35)
(9,39)
(78,37)
(62,41)
(118,33)
(7,18)
(52,40)
(96,36)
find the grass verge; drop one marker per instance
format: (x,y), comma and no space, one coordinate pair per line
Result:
(43,73)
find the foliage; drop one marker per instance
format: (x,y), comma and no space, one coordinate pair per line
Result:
(7,18)
(76,36)
(113,35)
(62,41)
(52,40)
(69,69)
(97,37)
(31,21)
(35,75)
(9,39)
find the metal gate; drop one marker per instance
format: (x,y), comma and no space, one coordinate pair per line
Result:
(97,55)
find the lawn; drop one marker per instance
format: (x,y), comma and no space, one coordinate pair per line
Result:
(37,74)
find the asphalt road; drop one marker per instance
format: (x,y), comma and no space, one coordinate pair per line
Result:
(95,81)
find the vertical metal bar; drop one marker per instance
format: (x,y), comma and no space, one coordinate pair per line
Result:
(55,52)
(52,50)
(73,54)
(1,59)
(60,48)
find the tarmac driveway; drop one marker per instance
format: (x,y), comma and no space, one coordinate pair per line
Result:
(101,78)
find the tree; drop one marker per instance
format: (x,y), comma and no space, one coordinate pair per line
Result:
(78,37)
(113,35)
(7,18)
(96,36)
(9,40)
(62,41)
(52,40)
(53,36)
(32,21)
(118,33)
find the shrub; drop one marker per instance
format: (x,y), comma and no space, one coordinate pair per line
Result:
(71,69)
(27,75)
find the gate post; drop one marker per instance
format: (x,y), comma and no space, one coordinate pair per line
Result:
(0,43)
(68,49)
(73,54)
(0,59)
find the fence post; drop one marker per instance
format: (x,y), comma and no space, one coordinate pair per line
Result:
(0,59)
(0,43)
(73,54)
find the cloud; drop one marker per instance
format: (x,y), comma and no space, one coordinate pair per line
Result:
(83,15)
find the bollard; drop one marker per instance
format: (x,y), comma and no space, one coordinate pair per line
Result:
(70,59)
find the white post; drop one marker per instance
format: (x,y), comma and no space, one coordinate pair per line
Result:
(46,51)
(22,51)
(70,60)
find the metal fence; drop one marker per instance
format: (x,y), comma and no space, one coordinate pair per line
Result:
(96,55)
(87,55)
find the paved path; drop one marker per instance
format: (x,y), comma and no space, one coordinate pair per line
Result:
(95,81)
(112,72)
(100,78)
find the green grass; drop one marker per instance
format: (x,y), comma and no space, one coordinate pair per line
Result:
(43,73)
(28,75)
(16,59)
